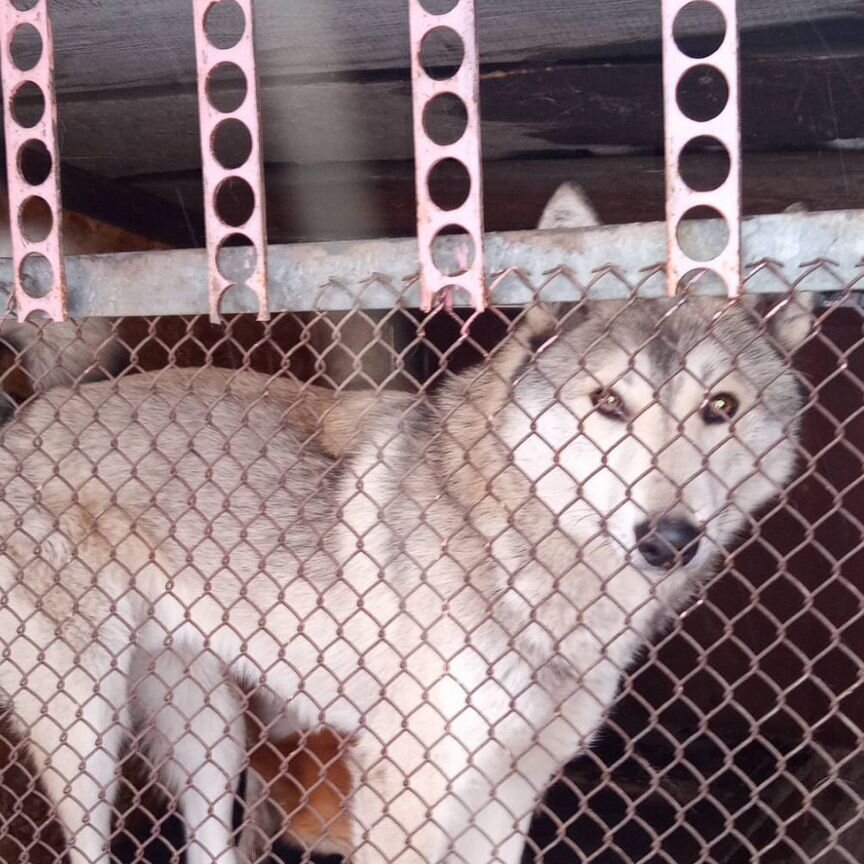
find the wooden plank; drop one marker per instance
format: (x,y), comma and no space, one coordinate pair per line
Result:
(364,201)
(106,45)
(787,103)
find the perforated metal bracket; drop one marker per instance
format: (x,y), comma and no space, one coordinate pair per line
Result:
(219,117)
(459,26)
(32,166)
(724,127)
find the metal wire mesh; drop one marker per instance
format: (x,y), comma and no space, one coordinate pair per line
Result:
(736,733)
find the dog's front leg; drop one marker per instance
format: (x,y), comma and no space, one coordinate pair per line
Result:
(501,793)
(509,778)
(497,828)
(462,811)
(404,808)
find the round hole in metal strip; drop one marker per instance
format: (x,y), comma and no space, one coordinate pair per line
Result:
(699,29)
(26,47)
(702,93)
(442,53)
(702,280)
(35,218)
(224,24)
(231,143)
(439,7)
(28,104)
(37,275)
(698,238)
(452,250)
(226,87)
(236,258)
(704,163)
(234,201)
(34,162)
(449,184)
(24,5)
(238,298)
(445,119)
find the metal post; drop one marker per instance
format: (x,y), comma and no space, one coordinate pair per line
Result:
(458,24)
(32,165)
(214,117)
(680,129)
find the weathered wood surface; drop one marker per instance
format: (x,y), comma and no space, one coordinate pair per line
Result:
(113,44)
(335,90)
(364,201)
(786,102)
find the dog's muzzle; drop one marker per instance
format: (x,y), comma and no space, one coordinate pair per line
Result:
(669,542)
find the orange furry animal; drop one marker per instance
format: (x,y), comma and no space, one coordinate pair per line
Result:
(304,800)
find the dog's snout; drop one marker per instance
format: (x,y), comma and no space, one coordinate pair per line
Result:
(672,540)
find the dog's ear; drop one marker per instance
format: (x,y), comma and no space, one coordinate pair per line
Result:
(540,325)
(536,328)
(569,207)
(788,319)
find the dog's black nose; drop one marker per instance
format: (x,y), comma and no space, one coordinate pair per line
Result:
(671,541)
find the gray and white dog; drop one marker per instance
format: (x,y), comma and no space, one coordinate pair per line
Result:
(460,592)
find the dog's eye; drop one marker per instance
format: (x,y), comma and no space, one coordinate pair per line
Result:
(608,403)
(719,408)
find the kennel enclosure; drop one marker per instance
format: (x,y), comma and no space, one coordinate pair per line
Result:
(738,737)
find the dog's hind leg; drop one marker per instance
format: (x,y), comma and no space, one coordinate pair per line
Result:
(192,720)
(74,719)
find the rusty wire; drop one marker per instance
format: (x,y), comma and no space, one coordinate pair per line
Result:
(736,738)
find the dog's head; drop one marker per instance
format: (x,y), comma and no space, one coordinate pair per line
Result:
(656,428)
(660,425)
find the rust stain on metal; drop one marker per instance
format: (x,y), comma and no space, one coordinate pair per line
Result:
(468,217)
(242,56)
(681,129)
(43,288)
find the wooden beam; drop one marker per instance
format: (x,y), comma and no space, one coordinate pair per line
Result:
(104,45)
(359,201)
(787,103)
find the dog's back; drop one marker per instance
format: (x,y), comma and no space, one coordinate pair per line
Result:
(200,476)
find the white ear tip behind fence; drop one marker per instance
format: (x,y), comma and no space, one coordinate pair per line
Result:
(569,207)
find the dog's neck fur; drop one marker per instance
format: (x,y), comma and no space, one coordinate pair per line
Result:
(497,549)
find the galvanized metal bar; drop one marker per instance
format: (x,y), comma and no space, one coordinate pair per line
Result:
(440,279)
(248,176)
(820,251)
(39,274)
(680,130)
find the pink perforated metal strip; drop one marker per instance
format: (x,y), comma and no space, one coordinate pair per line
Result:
(40,276)
(460,21)
(680,129)
(240,56)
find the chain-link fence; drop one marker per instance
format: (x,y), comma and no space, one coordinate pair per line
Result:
(370,584)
